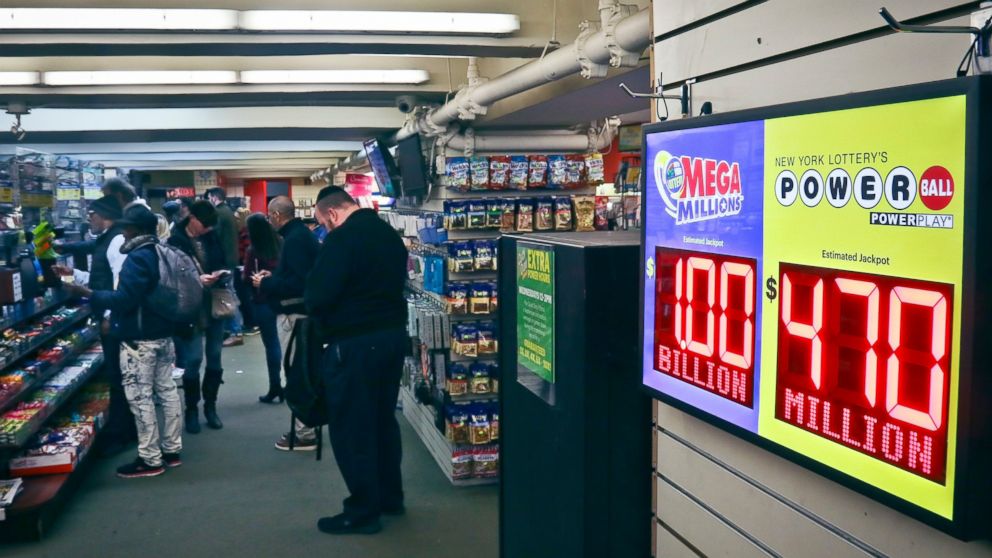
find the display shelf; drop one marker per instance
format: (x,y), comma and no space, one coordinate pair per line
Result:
(417,286)
(452,357)
(451,194)
(422,420)
(37,344)
(481,275)
(471,397)
(42,497)
(474,234)
(31,428)
(26,311)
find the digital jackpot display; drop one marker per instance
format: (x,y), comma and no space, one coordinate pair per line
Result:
(812,278)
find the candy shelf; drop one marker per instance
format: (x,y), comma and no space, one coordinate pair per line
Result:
(29,310)
(37,344)
(421,418)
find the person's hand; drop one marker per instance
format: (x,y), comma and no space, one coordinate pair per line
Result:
(62,270)
(209,279)
(257,278)
(77,291)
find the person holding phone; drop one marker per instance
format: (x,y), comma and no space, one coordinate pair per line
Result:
(263,255)
(193,235)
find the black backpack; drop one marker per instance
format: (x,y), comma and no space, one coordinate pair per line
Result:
(304,383)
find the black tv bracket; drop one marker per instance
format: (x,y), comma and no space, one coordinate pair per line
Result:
(981,52)
(684,98)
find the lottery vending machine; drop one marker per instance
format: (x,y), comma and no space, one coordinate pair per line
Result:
(816,280)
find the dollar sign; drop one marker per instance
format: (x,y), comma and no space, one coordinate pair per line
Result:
(772,291)
(649,267)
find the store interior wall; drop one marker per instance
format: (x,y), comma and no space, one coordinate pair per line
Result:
(716,495)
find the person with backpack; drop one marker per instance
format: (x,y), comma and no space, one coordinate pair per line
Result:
(355,292)
(144,328)
(205,334)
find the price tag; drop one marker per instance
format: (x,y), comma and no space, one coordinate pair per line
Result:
(91,193)
(6,195)
(68,194)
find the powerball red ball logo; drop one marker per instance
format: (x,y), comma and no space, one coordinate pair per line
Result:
(936,188)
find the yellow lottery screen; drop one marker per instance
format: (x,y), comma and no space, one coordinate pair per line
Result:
(871,335)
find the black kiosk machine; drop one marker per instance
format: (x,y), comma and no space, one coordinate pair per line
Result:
(816,281)
(575,422)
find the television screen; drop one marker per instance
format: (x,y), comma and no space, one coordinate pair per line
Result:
(383,168)
(413,168)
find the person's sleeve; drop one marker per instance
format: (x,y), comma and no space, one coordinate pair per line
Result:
(115,257)
(285,283)
(138,276)
(326,283)
(80,248)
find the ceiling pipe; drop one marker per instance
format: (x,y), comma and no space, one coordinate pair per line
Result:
(618,41)
(596,138)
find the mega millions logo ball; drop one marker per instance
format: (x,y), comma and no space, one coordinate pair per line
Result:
(674,177)
(669,176)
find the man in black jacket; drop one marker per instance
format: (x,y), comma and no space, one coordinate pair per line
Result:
(356,292)
(105,250)
(285,289)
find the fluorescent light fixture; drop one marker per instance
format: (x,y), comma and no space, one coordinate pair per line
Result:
(141,77)
(379,22)
(19,78)
(335,76)
(73,19)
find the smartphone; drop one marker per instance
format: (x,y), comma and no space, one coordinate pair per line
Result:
(223,273)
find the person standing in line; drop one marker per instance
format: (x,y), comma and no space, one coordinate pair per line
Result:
(242,287)
(355,291)
(283,288)
(123,192)
(227,234)
(263,255)
(194,237)
(107,261)
(146,348)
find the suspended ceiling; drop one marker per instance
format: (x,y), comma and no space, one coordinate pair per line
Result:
(284,130)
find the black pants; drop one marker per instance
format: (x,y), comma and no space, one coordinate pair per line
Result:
(120,427)
(362,379)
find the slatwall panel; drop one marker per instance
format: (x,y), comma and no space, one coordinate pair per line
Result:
(716,495)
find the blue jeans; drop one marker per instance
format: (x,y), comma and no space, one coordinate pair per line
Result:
(265,317)
(190,352)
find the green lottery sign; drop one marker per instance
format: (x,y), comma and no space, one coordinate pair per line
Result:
(536,310)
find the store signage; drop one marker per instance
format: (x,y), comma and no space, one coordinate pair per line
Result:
(181,193)
(536,309)
(358,185)
(806,287)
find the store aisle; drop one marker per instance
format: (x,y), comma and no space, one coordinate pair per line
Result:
(236,495)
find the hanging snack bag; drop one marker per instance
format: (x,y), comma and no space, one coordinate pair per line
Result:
(458,173)
(462,463)
(494,422)
(602,222)
(576,171)
(458,379)
(486,338)
(479,378)
(465,340)
(479,426)
(544,214)
(493,297)
(464,257)
(585,213)
(476,214)
(447,215)
(459,216)
(557,171)
(525,215)
(479,173)
(456,423)
(519,172)
(595,169)
(508,215)
(563,213)
(486,462)
(494,379)
(457,299)
(479,299)
(538,174)
(494,213)
(499,172)
(485,255)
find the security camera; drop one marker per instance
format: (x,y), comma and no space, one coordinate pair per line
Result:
(407,103)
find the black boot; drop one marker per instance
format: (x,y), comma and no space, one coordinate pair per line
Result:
(212,379)
(192,420)
(275,392)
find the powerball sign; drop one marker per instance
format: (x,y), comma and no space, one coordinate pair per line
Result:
(803,283)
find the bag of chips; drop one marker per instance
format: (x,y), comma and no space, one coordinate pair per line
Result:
(479,378)
(458,379)
(486,338)
(563,213)
(544,214)
(456,423)
(519,172)
(485,255)
(585,213)
(557,171)
(479,425)
(525,215)
(462,463)
(576,171)
(476,214)
(508,215)
(480,298)
(499,172)
(602,222)
(458,219)
(538,174)
(458,173)
(595,169)
(465,340)
(462,256)
(485,462)
(494,213)
(456,299)
(479,170)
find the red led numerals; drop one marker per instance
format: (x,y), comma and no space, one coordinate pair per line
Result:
(864,360)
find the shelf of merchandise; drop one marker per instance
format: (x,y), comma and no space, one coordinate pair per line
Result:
(39,343)
(30,309)
(421,418)
(32,428)
(42,497)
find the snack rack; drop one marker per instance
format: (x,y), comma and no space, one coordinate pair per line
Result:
(49,355)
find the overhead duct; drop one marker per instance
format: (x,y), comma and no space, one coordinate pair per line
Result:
(618,41)
(594,139)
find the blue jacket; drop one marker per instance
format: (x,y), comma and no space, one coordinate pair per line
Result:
(132,317)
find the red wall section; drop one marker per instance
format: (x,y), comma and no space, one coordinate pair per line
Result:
(256,190)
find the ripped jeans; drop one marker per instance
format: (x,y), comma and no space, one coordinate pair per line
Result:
(146,374)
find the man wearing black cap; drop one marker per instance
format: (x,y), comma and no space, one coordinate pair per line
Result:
(105,268)
(147,350)
(355,291)
(193,235)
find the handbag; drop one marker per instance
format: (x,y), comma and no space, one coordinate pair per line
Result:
(223,303)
